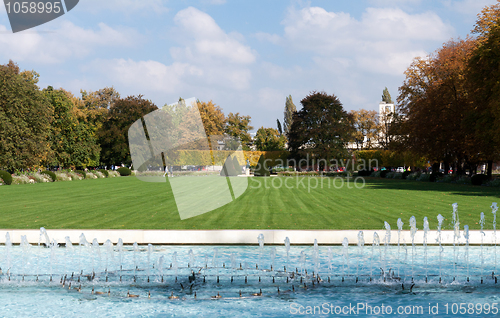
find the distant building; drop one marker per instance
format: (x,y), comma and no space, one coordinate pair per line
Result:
(385,119)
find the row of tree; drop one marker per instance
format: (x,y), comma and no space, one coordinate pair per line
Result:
(53,128)
(449,103)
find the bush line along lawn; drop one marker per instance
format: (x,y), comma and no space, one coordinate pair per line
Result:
(128,203)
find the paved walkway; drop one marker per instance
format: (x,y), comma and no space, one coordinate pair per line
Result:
(307,237)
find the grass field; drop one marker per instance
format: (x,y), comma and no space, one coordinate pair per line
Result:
(128,203)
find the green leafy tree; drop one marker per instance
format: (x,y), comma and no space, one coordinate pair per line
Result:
(238,126)
(322,128)
(269,139)
(290,109)
(484,80)
(72,139)
(113,135)
(386,97)
(25,116)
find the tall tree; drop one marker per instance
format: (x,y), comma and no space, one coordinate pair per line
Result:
(322,128)
(25,116)
(484,81)
(113,135)
(213,118)
(386,97)
(238,126)
(290,109)
(434,99)
(278,124)
(72,138)
(367,128)
(269,139)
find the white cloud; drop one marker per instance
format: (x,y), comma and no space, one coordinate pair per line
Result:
(383,40)
(206,42)
(145,75)
(67,41)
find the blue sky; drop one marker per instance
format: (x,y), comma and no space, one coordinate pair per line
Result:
(245,56)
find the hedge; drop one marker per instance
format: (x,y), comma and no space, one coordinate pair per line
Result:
(124,171)
(6,177)
(51,174)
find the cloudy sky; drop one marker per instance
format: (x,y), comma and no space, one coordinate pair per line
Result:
(245,56)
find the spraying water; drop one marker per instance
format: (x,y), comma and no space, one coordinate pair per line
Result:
(387,241)
(426,231)
(273,256)
(361,244)
(287,247)
(413,231)
(260,238)
(119,245)
(400,228)
(466,235)
(376,242)
(456,236)
(316,256)
(494,210)
(439,239)
(150,251)
(481,222)
(345,254)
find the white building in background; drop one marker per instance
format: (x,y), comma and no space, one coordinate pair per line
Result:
(384,110)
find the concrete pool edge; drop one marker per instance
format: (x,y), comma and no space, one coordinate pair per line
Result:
(239,237)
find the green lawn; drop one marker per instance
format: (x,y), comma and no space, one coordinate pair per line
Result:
(127,203)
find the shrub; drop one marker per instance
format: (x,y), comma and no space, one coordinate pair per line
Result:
(75,176)
(62,176)
(261,170)
(104,172)
(493,183)
(90,175)
(6,177)
(449,178)
(22,179)
(124,171)
(82,173)
(464,180)
(383,173)
(376,174)
(39,177)
(99,174)
(479,179)
(405,174)
(365,173)
(424,177)
(113,174)
(50,174)
(397,175)
(414,176)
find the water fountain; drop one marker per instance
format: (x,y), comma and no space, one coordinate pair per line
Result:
(178,277)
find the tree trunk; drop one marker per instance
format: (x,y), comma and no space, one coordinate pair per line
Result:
(446,167)
(490,168)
